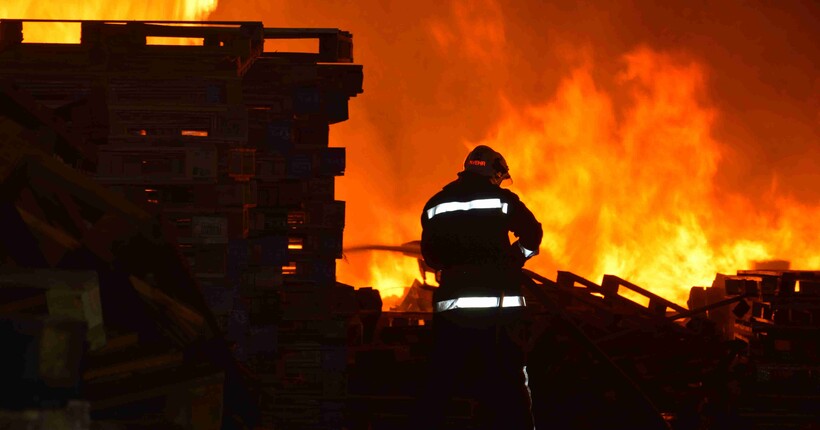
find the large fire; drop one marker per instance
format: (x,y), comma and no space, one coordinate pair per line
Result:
(654,142)
(634,194)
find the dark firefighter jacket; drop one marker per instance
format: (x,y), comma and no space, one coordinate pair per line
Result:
(465,234)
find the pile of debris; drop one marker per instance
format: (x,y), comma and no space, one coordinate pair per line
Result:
(212,199)
(776,325)
(102,323)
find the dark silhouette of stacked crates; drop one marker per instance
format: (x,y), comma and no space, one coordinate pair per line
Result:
(776,323)
(230,144)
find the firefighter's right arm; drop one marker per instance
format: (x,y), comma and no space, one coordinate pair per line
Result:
(526,228)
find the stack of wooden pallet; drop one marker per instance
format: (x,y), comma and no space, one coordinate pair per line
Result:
(779,322)
(74,253)
(295,230)
(230,145)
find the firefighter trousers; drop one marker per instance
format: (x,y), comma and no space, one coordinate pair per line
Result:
(477,355)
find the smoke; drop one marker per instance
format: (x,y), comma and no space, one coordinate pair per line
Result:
(439,76)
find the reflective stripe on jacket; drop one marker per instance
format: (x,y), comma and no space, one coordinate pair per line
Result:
(467,224)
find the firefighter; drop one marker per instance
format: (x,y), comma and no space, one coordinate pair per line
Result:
(479,303)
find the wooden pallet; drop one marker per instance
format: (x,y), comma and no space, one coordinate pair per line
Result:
(335,46)
(123,45)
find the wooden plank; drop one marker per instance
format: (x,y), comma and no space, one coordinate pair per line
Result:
(611,280)
(242,31)
(189,320)
(155,390)
(60,237)
(108,229)
(118,343)
(63,143)
(12,147)
(142,364)
(82,187)
(67,293)
(20,306)
(11,33)
(72,211)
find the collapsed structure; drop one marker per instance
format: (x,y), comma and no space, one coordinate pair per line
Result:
(169,239)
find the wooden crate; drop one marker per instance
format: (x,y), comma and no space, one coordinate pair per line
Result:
(158,165)
(316,242)
(305,303)
(319,270)
(238,194)
(278,135)
(268,251)
(263,340)
(206,260)
(191,92)
(43,359)
(200,406)
(49,90)
(332,331)
(281,75)
(241,163)
(260,280)
(325,214)
(264,309)
(292,193)
(314,354)
(226,47)
(177,122)
(186,199)
(311,134)
(335,46)
(66,293)
(219,295)
(312,382)
(270,168)
(306,164)
(270,131)
(313,214)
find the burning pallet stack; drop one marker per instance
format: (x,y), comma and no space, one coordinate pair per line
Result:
(777,319)
(230,144)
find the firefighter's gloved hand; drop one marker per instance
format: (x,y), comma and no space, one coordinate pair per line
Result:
(517,257)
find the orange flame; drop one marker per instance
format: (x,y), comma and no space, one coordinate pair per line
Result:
(643,175)
(629,194)
(631,191)
(624,173)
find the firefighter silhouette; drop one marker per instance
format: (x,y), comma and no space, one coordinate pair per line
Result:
(479,304)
